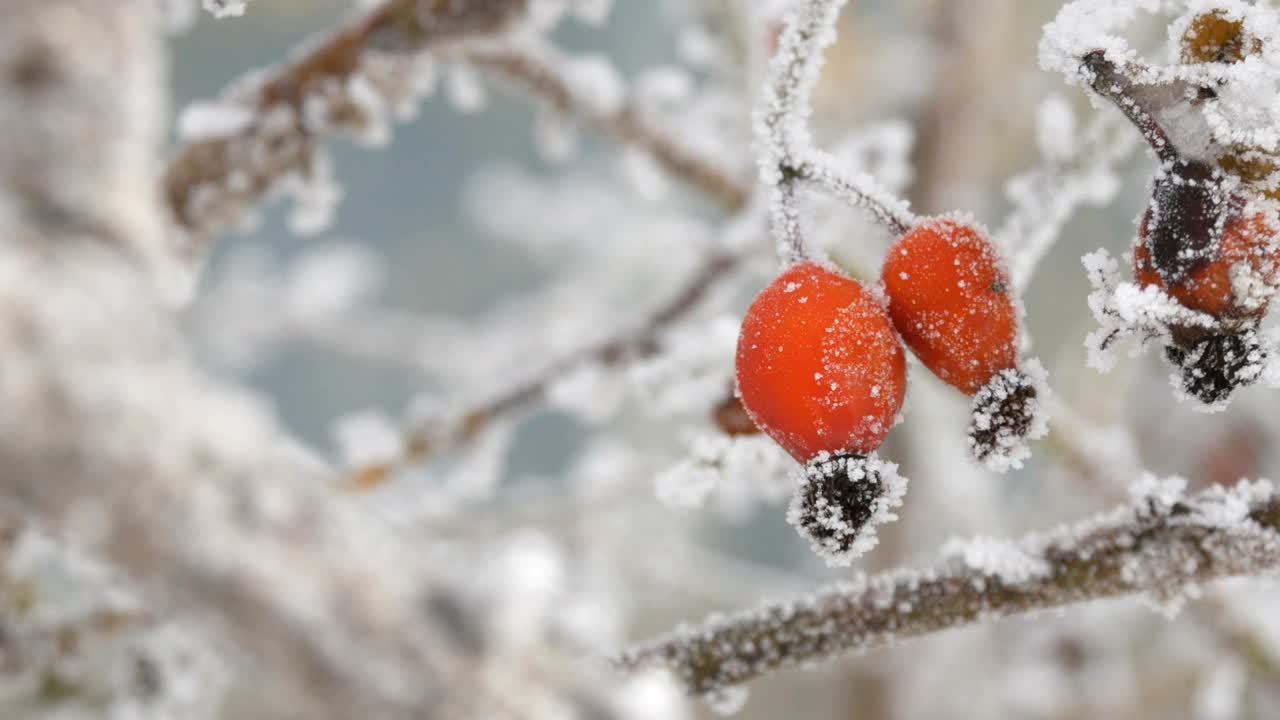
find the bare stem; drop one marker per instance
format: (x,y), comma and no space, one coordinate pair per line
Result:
(1154,547)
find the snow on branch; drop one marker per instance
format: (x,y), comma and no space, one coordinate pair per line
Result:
(225,8)
(440,434)
(1161,545)
(785,143)
(264,131)
(543,73)
(117,445)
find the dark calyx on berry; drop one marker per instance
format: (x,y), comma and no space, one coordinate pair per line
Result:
(1004,412)
(1214,365)
(1189,208)
(838,498)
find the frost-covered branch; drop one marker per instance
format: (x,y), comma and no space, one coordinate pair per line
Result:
(114,442)
(787,153)
(1161,545)
(437,435)
(266,130)
(541,72)
(1077,169)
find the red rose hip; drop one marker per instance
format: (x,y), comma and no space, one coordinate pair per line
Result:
(953,303)
(819,365)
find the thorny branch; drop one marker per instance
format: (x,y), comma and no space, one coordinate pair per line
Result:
(1158,546)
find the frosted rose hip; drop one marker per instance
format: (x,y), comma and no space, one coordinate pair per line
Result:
(952,301)
(1235,279)
(819,365)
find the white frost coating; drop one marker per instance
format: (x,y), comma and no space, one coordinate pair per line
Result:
(315,196)
(371,103)
(1077,170)
(728,701)
(784,146)
(993,557)
(663,87)
(643,175)
(1162,493)
(1236,116)
(652,694)
(738,472)
(1084,26)
(687,485)
(1056,128)
(782,115)
(1002,409)
(591,12)
(691,373)
(1232,118)
(532,568)
(1157,544)
(179,15)
(1221,694)
(207,120)
(555,135)
(368,437)
(590,392)
(225,8)
(464,89)
(1124,309)
(330,280)
(595,82)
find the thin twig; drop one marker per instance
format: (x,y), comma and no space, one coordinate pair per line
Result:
(203,170)
(1154,546)
(431,438)
(787,152)
(211,180)
(113,440)
(537,71)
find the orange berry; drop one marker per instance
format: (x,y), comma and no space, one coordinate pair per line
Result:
(951,299)
(820,368)
(1245,249)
